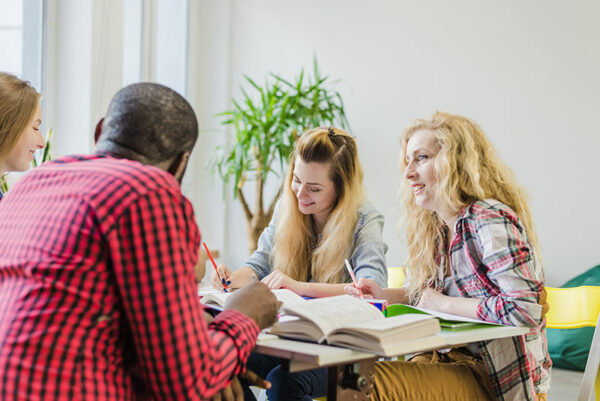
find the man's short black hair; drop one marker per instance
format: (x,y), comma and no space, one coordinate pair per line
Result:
(148,122)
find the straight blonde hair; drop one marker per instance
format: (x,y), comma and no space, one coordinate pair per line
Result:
(467,169)
(293,251)
(18,102)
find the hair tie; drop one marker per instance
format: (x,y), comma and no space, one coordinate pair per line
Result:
(331,132)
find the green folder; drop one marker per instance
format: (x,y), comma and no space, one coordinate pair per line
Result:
(400,309)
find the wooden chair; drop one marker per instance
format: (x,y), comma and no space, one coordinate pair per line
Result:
(572,308)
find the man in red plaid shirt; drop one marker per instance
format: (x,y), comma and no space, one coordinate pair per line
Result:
(97,293)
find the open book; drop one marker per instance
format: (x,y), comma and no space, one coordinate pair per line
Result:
(350,322)
(218,298)
(447,320)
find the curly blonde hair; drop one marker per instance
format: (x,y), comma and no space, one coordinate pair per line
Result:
(292,250)
(467,169)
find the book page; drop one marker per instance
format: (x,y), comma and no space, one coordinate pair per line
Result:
(377,335)
(390,323)
(332,312)
(205,291)
(456,318)
(216,297)
(288,297)
(401,308)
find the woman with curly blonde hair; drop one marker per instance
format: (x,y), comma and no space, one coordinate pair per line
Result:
(320,220)
(20,119)
(472,251)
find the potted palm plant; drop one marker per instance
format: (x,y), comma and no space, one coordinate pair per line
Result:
(266,123)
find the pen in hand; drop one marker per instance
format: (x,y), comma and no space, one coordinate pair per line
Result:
(223,281)
(352,276)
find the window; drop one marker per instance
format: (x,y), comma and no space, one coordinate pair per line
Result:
(21,32)
(155,42)
(11,36)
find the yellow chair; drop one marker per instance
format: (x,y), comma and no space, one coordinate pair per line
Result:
(572,308)
(396,276)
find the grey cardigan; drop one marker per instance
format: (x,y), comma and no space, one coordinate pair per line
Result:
(368,249)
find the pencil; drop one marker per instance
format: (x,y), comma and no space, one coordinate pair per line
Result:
(351,273)
(214,265)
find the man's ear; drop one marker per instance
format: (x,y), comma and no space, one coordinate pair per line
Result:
(98,130)
(179,165)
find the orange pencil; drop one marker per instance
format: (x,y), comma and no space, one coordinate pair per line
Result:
(215,266)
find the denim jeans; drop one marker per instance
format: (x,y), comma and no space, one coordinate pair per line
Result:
(299,386)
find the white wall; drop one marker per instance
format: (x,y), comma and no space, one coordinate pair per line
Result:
(526,71)
(209,89)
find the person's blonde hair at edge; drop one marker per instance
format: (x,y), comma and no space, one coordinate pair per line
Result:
(292,253)
(18,102)
(467,169)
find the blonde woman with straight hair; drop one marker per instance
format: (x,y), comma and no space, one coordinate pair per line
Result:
(473,252)
(20,120)
(320,220)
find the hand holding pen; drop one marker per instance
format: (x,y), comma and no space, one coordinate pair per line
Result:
(220,279)
(353,277)
(366,289)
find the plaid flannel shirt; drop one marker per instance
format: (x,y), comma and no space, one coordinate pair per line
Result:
(97,293)
(491,258)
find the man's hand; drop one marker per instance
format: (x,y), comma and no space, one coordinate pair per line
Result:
(256,301)
(235,392)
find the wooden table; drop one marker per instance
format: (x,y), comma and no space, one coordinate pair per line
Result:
(351,373)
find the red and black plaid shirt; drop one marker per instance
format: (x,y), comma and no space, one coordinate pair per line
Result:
(97,293)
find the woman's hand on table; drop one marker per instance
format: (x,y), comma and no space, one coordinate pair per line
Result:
(277,279)
(431,299)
